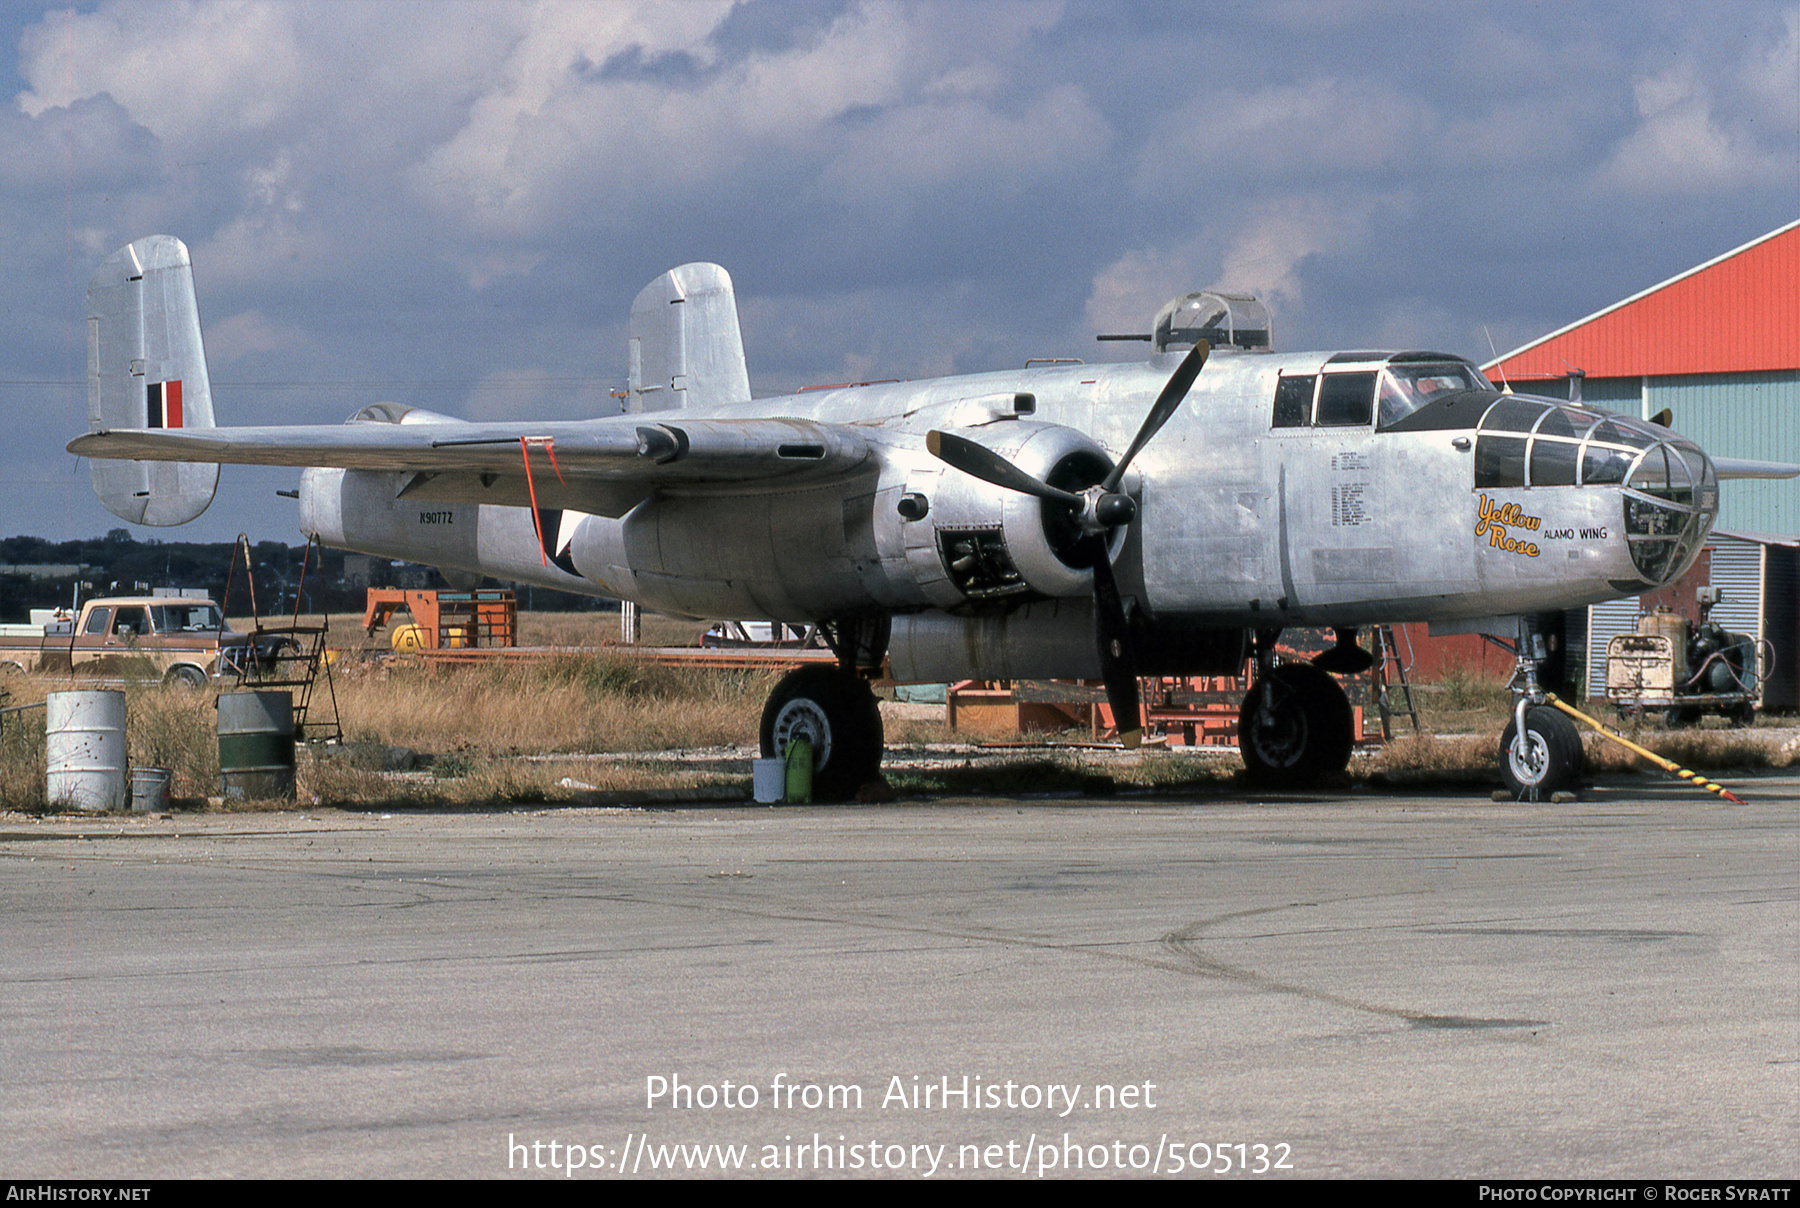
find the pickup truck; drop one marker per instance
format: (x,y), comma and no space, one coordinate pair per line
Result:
(176,639)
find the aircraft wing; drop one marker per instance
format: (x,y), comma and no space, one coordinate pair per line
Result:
(602,466)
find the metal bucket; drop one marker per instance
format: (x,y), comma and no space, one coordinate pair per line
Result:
(149,790)
(84,742)
(256,745)
(768,779)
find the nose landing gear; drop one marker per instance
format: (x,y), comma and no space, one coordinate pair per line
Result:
(1540,749)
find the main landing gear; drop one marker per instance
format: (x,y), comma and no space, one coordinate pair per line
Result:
(1296,727)
(834,709)
(1540,749)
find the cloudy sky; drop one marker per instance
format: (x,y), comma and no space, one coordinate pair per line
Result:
(453,204)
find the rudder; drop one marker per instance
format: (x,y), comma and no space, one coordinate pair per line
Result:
(686,349)
(147,369)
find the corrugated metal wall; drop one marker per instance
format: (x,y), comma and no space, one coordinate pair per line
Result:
(1606,622)
(1624,395)
(1755,415)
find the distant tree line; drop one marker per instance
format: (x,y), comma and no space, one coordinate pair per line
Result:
(36,573)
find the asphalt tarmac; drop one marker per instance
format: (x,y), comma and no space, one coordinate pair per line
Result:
(1318,986)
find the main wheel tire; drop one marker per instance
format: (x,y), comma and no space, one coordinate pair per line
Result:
(1303,734)
(837,713)
(1549,760)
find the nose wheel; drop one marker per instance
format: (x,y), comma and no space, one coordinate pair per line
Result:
(1540,749)
(1547,758)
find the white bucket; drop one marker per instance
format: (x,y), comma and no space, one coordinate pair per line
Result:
(84,745)
(770,780)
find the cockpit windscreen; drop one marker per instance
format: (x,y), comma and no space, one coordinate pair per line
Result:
(1407,386)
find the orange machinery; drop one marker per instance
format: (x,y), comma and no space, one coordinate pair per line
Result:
(445,620)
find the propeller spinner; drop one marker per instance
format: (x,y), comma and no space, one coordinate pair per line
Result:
(1096,512)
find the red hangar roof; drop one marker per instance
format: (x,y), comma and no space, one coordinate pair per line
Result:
(1739,313)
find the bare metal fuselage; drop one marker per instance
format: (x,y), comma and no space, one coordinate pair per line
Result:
(1242,524)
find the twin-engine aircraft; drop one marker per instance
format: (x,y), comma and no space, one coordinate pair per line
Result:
(1072,521)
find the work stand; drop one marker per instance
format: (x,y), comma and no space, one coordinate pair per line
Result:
(282,652)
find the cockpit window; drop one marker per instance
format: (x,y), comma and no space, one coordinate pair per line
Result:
(1405,387)
(1534,442)
(1514,414)
(1293,401)
(1346,399)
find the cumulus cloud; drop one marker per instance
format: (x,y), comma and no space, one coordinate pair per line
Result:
(877,101)
(1285,132)
(190,73)
(1680,144)
(1685,142)
(1264,252)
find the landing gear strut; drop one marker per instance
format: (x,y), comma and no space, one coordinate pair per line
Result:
(1540,749)
(1296,727)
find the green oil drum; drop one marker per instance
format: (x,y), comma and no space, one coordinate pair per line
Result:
(799,771)
(256,745)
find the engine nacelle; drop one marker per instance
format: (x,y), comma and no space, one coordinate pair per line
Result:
(994,543)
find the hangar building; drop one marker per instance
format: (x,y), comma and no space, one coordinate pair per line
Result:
(1719,347)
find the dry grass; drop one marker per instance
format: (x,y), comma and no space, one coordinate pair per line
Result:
(470,725)
(576,703)
(1429,753)
(1462,702)
(472,720)
(1699,750)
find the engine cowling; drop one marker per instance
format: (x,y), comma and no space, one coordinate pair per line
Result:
(994,543)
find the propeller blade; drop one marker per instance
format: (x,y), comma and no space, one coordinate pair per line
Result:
(981,462)
(1117,667)
(1180,382)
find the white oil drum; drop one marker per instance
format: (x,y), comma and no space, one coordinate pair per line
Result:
(84,745)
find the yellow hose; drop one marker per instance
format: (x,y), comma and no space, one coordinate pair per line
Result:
(1666,764)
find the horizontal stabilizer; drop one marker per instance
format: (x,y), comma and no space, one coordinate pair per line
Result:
(1739,467)
(147,371)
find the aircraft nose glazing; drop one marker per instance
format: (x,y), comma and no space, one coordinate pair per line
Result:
(1670,500)
(1668,489)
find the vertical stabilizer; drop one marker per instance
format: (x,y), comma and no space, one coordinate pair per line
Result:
(686,350)
(147,369)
